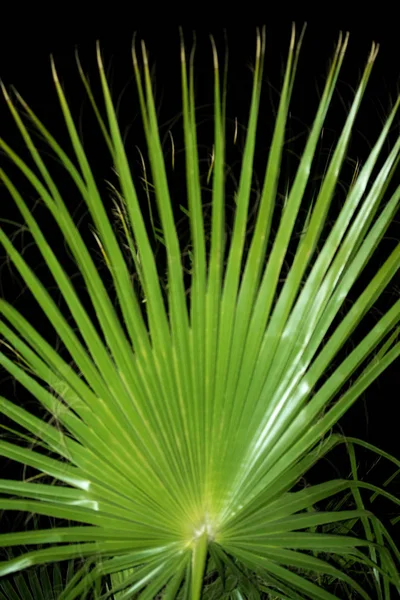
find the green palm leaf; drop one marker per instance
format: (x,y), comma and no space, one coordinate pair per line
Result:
(38,583)
(184,430)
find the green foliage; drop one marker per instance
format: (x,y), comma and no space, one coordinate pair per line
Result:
(178,440)
(46,582)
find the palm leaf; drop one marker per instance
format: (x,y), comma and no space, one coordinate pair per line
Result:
(38,583)
(182,431)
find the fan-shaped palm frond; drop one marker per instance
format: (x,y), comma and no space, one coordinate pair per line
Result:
(184,425)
